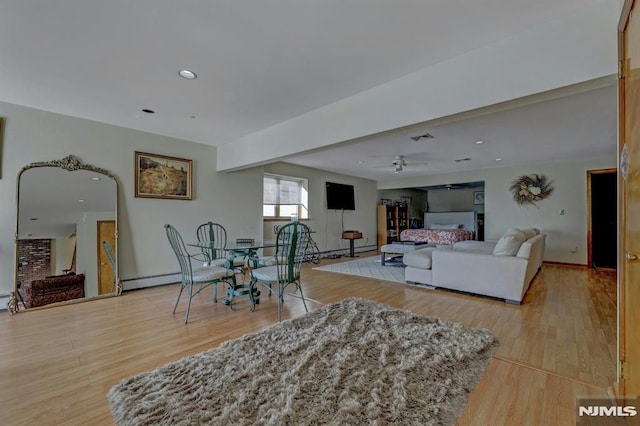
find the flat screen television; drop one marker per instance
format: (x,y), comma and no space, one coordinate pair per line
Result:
(340,196)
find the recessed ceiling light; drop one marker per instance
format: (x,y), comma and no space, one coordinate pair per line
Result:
(360,162)
(498,159)
(81,201)
(96,178)
(479,142)
(148,111)
(189,75)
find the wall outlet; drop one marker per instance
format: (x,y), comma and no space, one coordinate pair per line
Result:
(574,249)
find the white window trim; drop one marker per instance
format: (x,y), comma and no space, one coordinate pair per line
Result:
(303,206)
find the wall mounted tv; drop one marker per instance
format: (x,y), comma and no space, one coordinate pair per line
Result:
(340,196)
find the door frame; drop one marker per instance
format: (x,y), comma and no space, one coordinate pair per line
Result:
(590,174)
(620,387)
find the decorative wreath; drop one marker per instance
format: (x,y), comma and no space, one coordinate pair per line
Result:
(529,189)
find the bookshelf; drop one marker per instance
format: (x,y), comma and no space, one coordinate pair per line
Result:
(392,220)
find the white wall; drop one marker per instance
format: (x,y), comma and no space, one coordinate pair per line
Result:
(328,223)
(62,254)
(455,200)
(228,198)
(565,233)
(577,48)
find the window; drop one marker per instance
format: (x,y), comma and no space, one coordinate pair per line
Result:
(284,197)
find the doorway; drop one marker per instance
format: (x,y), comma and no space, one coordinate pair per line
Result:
(602,231)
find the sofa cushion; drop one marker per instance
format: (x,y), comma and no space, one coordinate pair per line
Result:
(509,243)
(419,258)
(475,246)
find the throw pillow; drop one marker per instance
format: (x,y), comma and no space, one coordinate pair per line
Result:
(529,233)
(509,243)
(512,231)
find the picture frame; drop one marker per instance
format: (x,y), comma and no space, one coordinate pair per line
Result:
(162,176)
(478,197)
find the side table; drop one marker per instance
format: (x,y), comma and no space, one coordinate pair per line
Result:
(351,236)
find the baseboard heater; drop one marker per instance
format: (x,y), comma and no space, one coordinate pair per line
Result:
(342,252)
(163,279)
(150,281)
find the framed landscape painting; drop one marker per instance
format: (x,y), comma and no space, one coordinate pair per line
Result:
(160,176)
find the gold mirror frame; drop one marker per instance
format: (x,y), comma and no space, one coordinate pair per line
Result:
(70,163)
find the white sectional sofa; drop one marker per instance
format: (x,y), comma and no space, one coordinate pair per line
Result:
(502,269)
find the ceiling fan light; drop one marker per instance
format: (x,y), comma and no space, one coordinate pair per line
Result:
(419,137)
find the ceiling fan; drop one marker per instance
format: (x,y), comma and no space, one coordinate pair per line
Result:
(449,187)
(400,162)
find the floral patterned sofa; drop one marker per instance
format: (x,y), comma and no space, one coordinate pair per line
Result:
(57,288)
(436,236)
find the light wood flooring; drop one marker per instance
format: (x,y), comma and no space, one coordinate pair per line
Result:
(56,365)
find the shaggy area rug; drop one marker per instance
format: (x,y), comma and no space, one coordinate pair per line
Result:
(368,267)
(353,362)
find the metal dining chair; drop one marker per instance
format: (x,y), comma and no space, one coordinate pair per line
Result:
(204,277)
(106,245)
(215,252)
(292,243)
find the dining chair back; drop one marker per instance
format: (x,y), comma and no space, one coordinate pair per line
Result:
(108,250)
(106,245)
(292,243)
(216,236)
(204,277)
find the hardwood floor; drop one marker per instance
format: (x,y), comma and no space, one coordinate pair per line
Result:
(56,365)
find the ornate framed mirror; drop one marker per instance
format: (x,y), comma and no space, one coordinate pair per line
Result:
(66,240)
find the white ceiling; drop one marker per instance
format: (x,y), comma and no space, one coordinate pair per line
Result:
(259,62)
(264,62)
(572,126)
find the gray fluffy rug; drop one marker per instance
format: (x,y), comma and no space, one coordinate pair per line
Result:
(354,362)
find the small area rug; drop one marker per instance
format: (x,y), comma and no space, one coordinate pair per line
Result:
(369,267)
(353,362)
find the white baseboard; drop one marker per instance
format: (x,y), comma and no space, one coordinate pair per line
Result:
(345,251)
(144,282)
(129,284)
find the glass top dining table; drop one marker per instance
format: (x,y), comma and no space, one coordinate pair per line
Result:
(234,249)
(236,246)
(249,251)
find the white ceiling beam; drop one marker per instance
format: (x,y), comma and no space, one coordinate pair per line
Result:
(567,51)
